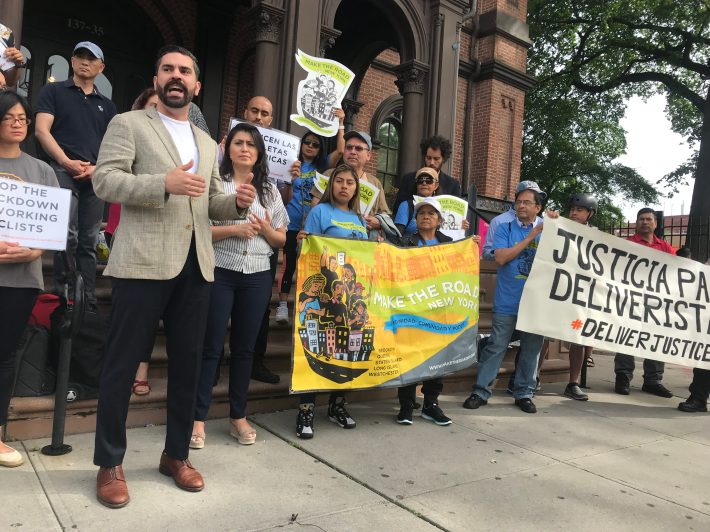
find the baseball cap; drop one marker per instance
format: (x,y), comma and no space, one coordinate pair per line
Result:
(361,135)
(427,171)
(93,48)
(431,201)
(530,185)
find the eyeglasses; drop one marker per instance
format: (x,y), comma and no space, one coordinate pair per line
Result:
(525,203)
(425,180)
(352,147)
(11,120)
(312,143)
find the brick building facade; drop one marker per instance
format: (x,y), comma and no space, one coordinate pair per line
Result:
(423,67)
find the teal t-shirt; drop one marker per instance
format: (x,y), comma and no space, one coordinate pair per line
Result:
(326,219)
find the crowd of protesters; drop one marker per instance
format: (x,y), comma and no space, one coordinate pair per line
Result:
(211,224)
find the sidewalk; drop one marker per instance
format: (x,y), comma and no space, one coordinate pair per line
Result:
(622,463)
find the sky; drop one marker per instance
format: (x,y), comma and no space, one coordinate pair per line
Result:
(654,150)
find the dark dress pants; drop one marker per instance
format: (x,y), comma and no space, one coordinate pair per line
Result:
(700,387)
(263,337)
(137,306)
(243,296)
(652,369)
(15,309)
(85,216)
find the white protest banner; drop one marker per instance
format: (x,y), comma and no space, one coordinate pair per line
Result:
(595,289)
(453,213)
(281,149)
(323,90)
(368,192)
(34,216)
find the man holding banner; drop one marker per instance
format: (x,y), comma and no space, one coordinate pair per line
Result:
(514,250)
(624,364)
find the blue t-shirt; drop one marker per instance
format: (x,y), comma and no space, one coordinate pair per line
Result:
(511,277)
(402,218)
(431,242)
(326,219)
(300,204)
(507,216)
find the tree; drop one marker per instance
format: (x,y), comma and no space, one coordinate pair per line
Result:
(616,48)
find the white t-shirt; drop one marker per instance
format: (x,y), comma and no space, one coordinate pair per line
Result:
(184,139)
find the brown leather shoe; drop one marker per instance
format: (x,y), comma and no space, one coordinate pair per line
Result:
(185,476)
(111,488)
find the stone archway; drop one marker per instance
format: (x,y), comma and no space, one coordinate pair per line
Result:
(367,27)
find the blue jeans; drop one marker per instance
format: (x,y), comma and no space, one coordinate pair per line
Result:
(243,297)
(491,357)
(85,215)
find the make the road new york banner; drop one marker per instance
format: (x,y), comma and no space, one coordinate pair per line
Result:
(595,289)
(371,314)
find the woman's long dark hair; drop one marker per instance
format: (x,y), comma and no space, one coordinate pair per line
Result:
(260,168)
(319,160)
(354,203)
(9,99)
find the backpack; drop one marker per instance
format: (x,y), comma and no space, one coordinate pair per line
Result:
(87,351)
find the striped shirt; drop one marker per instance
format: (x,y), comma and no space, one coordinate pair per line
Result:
(249,255)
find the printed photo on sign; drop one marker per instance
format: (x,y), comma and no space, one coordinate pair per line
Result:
(372,314)
(34,216)
(453,212)
(322,91)
(282,149)
(602,291)
(6,41)
(368,192)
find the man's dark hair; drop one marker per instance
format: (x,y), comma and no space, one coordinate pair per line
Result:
(174,48)
(646,210)
(436,142)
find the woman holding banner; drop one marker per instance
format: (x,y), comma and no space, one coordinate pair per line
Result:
(20,267)
(242,280)
(337,214)
(428,218)
(313,159)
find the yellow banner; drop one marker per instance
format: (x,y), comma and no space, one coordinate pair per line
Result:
(371,314)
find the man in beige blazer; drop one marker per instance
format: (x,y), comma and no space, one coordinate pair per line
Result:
(164,173)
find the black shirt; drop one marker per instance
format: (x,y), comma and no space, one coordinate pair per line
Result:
(80,120)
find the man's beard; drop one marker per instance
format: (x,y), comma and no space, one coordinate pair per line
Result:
(174,101)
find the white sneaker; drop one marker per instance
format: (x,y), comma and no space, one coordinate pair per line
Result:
(282,314)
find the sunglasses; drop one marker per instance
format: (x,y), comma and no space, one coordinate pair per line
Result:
(425,180)
(312,143)
(351,147)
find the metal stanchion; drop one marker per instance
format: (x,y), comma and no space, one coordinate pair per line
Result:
(68,328)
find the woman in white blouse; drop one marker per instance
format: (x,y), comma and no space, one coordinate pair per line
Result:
(242,280)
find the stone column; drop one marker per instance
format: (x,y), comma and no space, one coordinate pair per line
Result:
(411,80)
(351,108)
(267,21)
(11,16)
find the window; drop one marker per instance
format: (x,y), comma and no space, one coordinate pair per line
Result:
(57,69)
(388,156)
